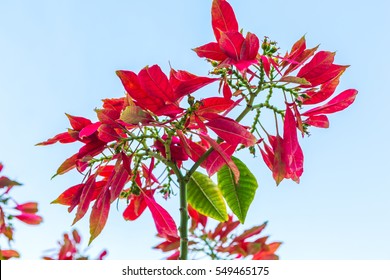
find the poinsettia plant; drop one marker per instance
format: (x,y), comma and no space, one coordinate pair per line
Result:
(10,210)
(162,136)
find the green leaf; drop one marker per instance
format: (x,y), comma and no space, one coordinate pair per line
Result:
(238,196)
(205,197)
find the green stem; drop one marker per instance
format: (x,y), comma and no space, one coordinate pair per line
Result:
(183,221)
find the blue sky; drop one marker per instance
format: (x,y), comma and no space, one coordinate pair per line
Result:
(61,56)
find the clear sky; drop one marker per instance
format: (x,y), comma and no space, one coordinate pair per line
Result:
(61,56)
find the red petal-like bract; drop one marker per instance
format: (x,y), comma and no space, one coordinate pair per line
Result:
(278,164)
(7,254)
(231,131)
(155,83)
(214,105)
(184,83)
(136,206)
(267,252)
(338,103)
(320,121)
(28,207)
(317,65)
(63,138)
(326,91)
(165,225)
(211,51)
(222,18)
(29,218)
(293,155)
(86,197)
(220,156)
(78,123)
(230,43)
(99,215)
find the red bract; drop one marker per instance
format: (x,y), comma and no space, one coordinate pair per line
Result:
(29,207)
(293,155)
(338,103)
(137,205)
(29,218)
(151,90)
(165,225)
(231,47)
(70,249)
(231,131)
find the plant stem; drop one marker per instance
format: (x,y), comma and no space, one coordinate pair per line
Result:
(183,221)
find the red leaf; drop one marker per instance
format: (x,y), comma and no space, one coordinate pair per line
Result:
(63,138)
(332,72)
(7,254)
(156,83)
(115,104)
(165,225)
(168,245)
(300,59)
(266,64)
(250,47)
(222,18)
(278,166)
(227,93)
(317,65)
(250,232)
(70,197)
(222,155)
(231,131)
(78,123)
(293,155)
(86,197)
(324,93)
(267,252)
(108,116)
(318,121)
(117,180)
(184,83)
(107,133)
(28,207)
(296,50)
(105,171)
(29,218)
(99,215)
(6,182)
(91,149)
(214,105)
(338,103)
(211,51)
(136,206)
(230,43)
(76,236)
(132,86)
(89,130)
(67,165)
